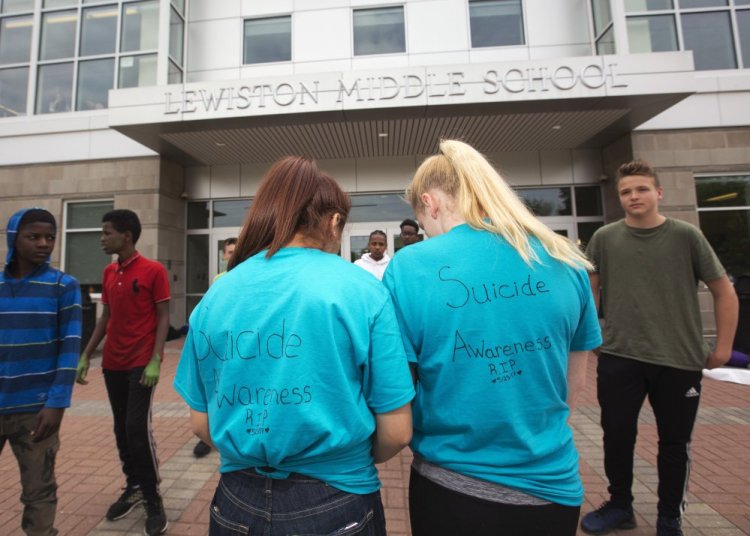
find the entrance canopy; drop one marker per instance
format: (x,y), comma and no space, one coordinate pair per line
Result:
(565,103)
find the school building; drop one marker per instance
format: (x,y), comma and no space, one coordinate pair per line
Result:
(175,109)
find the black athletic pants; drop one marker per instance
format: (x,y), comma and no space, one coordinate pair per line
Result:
(438,511)
(622,386)
(131,410)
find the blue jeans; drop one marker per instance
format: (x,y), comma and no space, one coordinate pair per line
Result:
(248,503)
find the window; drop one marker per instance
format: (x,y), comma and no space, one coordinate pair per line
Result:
(15,39)
(268,40)
(85,48)
(13,84)
(579,206)
(94,82)
(58,35)
(84,258)
(98,30)
(496,23)
(604,34)
(16,29)
(379,31)
(724,213)
(176,42)
(707,27)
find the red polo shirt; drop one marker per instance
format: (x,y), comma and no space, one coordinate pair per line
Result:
(132,289)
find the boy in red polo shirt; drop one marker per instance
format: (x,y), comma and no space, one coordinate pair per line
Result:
(135,295)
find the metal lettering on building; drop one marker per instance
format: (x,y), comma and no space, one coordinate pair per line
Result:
(401,88)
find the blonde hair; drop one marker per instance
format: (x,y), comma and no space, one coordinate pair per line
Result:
(487,202)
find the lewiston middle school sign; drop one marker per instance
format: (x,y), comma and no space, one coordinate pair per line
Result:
(568,78)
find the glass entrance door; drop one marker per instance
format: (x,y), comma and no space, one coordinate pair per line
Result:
(356,236)
(216,254)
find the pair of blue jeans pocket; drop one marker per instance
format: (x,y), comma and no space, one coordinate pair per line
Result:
(301,509)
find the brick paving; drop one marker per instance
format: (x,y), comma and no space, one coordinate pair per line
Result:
(90,478)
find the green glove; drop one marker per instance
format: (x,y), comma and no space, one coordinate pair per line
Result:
(83,369)
(150,376)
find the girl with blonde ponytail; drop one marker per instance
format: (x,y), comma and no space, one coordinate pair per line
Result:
(497,319)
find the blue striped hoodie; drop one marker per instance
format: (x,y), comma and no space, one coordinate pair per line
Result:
(40,335)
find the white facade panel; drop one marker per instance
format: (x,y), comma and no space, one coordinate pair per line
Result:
(374,174)
(215,44)
(344,171)
(521,168)
(225,181)
(254,8)
(556,166)
(322,35)
(198,182)
(201,10)
(587,166)
(557,23)
(439,26)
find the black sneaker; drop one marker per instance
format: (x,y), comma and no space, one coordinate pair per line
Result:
(606,518)
(129,499)
(668,526)
(156,518)
(201,449)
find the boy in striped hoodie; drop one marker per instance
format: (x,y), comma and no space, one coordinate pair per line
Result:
(40,336)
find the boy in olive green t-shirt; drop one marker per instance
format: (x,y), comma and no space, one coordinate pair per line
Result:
(647,269)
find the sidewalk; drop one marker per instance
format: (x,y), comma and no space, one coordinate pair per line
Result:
(90,478)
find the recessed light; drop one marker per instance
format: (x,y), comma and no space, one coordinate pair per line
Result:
(221,144)
(556,127)
(382,134)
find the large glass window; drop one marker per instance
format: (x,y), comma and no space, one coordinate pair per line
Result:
(724,212)
(379,31)
(140,26)
(137,71)
(16,6)
(15,39)
(95,79)
(98,30)
(176,31)
(268,40)
(655,33)
(602,13)
(604,33)
(58,35)
(54,91)
(496,23)
(13,84)
(84,258)
(707,27)
(647,5)
(709,36)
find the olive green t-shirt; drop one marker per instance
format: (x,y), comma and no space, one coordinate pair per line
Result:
(648,280)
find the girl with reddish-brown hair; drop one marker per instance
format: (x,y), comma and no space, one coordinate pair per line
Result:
(295,371)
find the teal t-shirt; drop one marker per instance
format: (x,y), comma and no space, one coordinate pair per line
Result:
(291,357)
(490,336)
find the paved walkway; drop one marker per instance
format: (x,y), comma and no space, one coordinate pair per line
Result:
(90,478)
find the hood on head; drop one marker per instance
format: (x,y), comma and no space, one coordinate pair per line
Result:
(11,233)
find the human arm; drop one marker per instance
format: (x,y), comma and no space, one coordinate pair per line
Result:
(393,433)
(96,338)
(577,363)
(150,376)
(596,289)
(199,426)
(68,320)
(726,312)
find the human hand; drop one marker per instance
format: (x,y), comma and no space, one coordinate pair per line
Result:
(47,423)
(83,369)
(150,376)
(716,360)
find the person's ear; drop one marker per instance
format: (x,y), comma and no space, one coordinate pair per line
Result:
(431,204)
(335,221)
